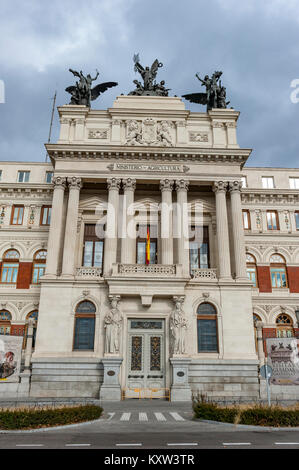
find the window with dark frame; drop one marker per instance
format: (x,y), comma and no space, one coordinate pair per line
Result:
(93,251)
(207,330)
(17,215)
(199,253)
(272,220)
(278,272)
(297,219)
(39,266)
(84,329)
(141,241)
(246,219)
(45,217)
(251,269)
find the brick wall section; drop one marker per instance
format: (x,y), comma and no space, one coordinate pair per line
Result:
(293,278)
(17,330)
(24,275)
(264,280)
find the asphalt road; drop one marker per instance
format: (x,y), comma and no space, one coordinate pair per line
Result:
(151,425)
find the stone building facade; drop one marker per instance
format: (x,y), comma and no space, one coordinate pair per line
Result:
(149,254)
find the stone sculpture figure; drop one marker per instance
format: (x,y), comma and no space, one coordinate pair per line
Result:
(163,134)
(148,74)
(82,93)
(178,327)
(112,325)
(215,95)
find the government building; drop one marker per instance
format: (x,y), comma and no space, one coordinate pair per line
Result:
(153,260)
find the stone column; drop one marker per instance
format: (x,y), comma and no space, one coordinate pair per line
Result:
(260,347)
(110,246)
(166,222)
(68,263)
(55,227)
(238,231)
(183,225)
(128,241)
(224,268)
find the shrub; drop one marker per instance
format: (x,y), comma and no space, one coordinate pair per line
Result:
(29,418)
(256,415)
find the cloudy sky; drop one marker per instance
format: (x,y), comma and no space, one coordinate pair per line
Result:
(255,43)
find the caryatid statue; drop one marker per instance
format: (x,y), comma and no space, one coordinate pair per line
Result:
(178,326)
(112,324)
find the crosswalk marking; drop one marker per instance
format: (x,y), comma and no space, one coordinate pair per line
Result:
(176,416)
(160,416)
(125,417)
(143,417)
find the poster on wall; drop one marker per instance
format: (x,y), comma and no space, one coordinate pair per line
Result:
(10,357)
(283,357)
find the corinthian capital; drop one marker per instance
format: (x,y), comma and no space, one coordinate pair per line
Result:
(74,182)
(129,183)
(59,182)
(235,186)
(113,183)
(220,186)
(182,185)
(166,185)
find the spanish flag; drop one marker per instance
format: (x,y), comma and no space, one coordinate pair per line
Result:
(148,247)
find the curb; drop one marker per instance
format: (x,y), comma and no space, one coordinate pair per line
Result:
(65,426)
(247,426)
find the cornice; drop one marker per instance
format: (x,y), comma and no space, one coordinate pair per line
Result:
(264,196)
(77,152)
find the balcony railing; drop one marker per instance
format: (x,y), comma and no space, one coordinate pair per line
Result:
(205,274)
(156,270)
(89,272)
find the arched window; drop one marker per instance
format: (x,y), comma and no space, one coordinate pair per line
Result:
(84,326)
(5,325)
(33,315)
(251,269)
(10,267)
(39,265)
(284,328)
(207,334)
(278,271)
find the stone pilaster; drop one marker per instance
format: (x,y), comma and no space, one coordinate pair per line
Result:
(260,347)
(128,242)
(55,227)
(224,267)
(183,225)
(110,247)
(238,231)
(68,263)
(166,187)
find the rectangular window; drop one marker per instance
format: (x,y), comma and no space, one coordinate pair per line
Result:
(38,272)
(207,335)
(246,219)
(244,181)
(268,182)
(17,215)
(294,183)
(141,244)
(93,247)
(45,218)
(23,176)
(49,176)
(278,277)
(297,220)
(10,273)
(272,220)
(199,248)
(251,273)
(84,333)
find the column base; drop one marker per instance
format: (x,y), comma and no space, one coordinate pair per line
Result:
(180,388)
(111,390)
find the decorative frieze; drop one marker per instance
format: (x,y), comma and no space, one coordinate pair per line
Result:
(98,134)
(198,136)
(149,132)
